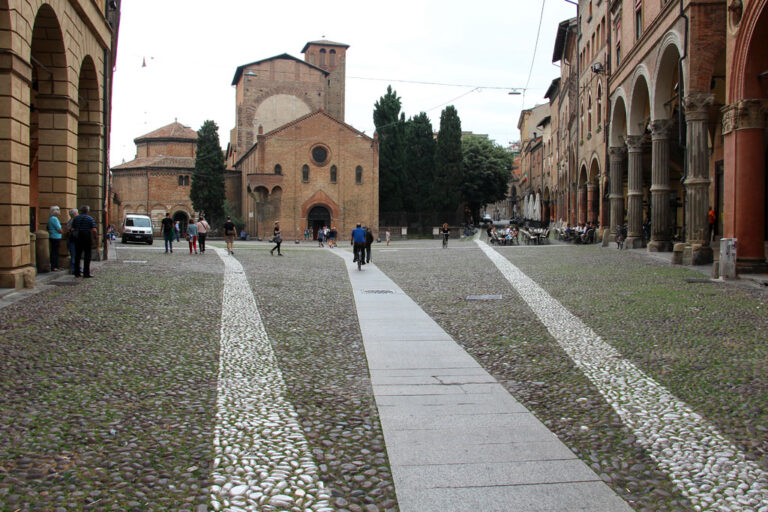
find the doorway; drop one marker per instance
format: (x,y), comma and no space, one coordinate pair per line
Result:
(318,217)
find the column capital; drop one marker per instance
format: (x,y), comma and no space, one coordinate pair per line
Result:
(744,115)
(617,152)
(661,129)
(697,105)
(635,143)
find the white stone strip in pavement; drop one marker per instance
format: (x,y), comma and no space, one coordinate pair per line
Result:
(262,460)
(456,439)
(707,468)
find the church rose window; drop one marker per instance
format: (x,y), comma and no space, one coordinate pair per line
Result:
(320,154)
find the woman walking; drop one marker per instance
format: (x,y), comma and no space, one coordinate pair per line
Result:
(202,232)
(71,241)
(192,236)
(229,234)
(277,238)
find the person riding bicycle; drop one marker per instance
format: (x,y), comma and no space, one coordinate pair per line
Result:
(446,233)
(358,243)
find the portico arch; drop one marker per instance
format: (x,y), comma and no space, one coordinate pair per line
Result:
(89,184)
(582,194)
(638,127)
(617,162)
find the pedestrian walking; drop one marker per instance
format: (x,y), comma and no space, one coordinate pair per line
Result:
(54,237)
(320,233)
(229,234)
(306,234)
(711,218)
(177,230)
(277,239)
(202,232)
(71,241)
(169,232)
(368,243)
(332,234)
(192,237)
(84,231)
(387,235)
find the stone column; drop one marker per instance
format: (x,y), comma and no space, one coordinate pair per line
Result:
(697,180)
(661,239)
(616,197)
(591,217)
(572,214)
(635,192)
(582,204)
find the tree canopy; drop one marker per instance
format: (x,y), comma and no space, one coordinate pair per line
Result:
(207,185)
(390,125)
(448,161)
(486,172)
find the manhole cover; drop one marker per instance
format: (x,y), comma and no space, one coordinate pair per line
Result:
(134,261)
(379,291)
(483,297)
(698,280)
(65,283)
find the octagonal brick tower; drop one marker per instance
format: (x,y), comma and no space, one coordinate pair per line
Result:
(331,57)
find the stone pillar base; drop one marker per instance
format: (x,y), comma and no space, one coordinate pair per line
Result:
(606,237)
(633,242)
(659,246)
(677,253)
(751,267)
(18,278)
(701,254)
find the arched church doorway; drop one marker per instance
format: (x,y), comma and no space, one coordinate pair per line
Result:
(183,220)
(318,217)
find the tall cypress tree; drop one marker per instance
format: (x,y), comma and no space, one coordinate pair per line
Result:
(448,161)
(207,187)
(390,125)
(419,163)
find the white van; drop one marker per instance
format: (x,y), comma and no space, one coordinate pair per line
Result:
(137,228)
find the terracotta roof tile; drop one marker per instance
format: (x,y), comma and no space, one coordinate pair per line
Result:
(159,161)
(172,131)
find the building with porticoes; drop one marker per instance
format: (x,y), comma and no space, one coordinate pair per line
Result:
(55,88)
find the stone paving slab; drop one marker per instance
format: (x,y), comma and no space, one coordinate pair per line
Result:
(463,443)
(563,497)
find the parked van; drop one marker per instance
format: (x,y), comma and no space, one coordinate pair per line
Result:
(137,228)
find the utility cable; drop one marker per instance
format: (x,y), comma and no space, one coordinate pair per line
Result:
(535,47)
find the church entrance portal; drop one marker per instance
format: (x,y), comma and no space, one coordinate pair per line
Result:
(318,217)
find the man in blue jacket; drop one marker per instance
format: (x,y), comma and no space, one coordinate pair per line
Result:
(358,243)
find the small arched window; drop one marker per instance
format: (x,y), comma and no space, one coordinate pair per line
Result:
(358,175)
(305,173)
(332,57)
(589,113)
(181,181)
(322,57)
(599,104)
(278,169)
(333,173)
(186,181)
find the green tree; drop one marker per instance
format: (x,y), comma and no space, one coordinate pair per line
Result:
(448,162)
(486,172)
(390,125)
(207,187)
(419,163)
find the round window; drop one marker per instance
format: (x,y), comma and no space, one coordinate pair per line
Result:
(319,154)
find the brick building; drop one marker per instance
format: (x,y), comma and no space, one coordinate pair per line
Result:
(158,179)
(55,87)
(297,160)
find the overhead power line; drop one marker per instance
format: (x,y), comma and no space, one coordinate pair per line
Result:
(535,47)
(435,83)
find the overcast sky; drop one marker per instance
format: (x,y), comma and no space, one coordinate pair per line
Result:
(192,47)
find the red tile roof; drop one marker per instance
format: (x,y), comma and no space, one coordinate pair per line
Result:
(175,131)
(158,162)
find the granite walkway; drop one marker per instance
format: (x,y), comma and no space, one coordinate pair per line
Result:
(456,439)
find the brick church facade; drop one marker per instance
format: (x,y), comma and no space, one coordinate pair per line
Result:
(291,158)
(298,162)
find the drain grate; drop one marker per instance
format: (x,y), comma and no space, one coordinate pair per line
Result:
(484,297)
(65,283)
(381,292)
(698,280)
(134,261)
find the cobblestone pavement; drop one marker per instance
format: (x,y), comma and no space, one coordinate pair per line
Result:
(598,286)
(109,388)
